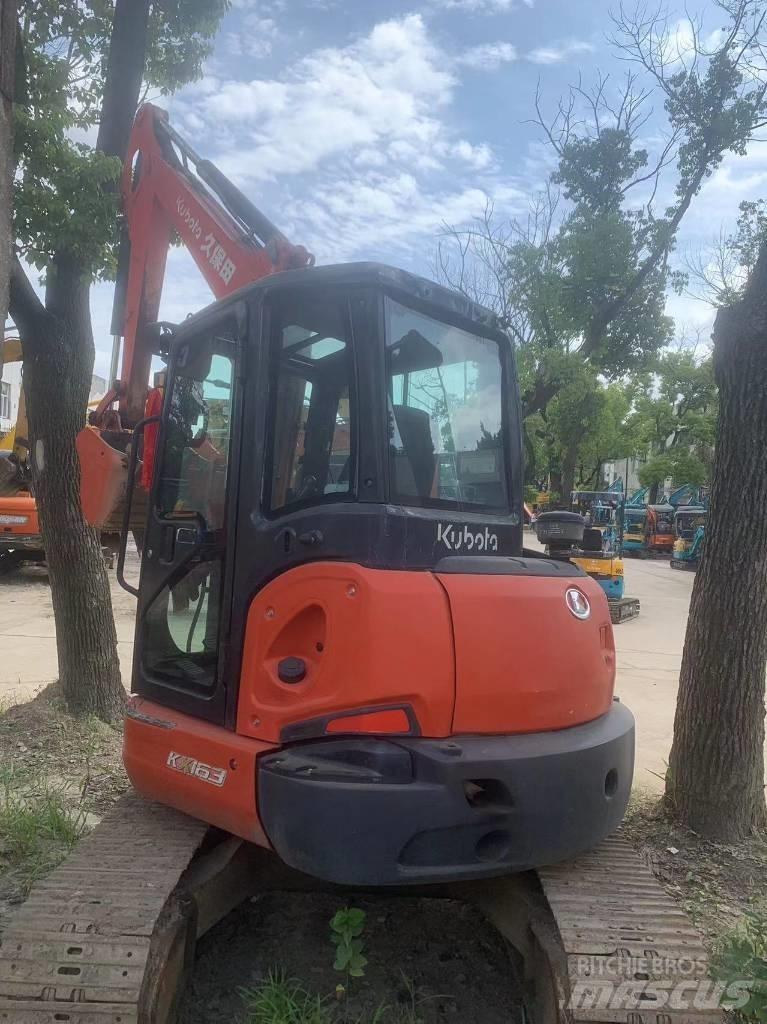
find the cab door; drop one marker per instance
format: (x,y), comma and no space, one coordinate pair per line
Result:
(185,590)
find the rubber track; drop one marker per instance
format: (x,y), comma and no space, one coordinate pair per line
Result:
(619,927)
(75,952)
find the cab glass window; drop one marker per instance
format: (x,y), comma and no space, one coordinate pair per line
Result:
(313,433)
(445,413)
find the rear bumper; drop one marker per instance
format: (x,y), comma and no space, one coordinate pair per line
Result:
(372,811)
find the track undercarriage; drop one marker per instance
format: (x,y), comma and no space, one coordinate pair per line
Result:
(109,937)
(623,608)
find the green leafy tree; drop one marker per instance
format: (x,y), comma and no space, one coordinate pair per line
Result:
(674,421)
(583,427)
(608,437)
(86,63)
(584,276)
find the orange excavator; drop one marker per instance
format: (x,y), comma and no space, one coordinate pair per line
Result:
(348,651)
(343,654)
(20,539)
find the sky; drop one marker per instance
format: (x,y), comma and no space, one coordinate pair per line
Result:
(361,128)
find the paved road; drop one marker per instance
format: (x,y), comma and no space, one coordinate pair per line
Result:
(28,635)
(649,657)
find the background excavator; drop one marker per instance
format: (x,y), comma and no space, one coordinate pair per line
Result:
(20,539)
(342,653)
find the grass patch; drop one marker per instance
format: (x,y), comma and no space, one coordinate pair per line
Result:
(283,1000)
(39,824)
(741,959)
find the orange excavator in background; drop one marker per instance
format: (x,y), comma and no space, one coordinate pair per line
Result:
(342,652)
(20,539)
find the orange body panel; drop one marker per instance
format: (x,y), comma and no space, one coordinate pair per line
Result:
(368,637)
(21,504)
(661,542)
(103,475)
(524,663)
(201,769)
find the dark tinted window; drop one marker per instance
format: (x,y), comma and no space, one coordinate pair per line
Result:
(181,625)
(312,438)
(445,412)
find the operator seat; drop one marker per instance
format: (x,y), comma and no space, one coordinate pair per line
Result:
(415,464)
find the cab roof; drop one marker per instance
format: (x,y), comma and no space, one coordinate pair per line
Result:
(407,285)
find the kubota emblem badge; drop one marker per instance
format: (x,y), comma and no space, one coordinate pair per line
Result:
(578,603)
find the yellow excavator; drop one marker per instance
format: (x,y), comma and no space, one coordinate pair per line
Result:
(20,539)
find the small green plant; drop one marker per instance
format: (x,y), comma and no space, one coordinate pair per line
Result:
(347,926)
(282,1000)
(742,961)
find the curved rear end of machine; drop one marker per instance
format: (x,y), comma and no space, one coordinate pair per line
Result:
(535,766)
(400,727)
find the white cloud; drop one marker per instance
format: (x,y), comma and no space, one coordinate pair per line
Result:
(558,52)
(255,39)
(387,87)
(479,157)
(679,41)
(263,7)
(488,56)
(353,145)
(380,215)
(479,6)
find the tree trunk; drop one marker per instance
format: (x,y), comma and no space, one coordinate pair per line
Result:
(7,76)
(58,362)
(715,781)
(529,452)
(652,497)
(568,473)
(125,68)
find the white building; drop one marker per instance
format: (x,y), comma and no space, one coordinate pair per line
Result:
(617,471)
(10,392)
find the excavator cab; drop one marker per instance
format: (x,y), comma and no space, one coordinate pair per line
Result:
(340,646)
(689,528)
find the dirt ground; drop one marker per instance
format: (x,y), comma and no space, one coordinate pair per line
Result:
(715,882)
(437,958)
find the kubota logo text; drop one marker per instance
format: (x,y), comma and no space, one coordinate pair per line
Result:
(191,766)
(457,539)
(188,218)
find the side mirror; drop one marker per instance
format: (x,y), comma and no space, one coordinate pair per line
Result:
(159,335)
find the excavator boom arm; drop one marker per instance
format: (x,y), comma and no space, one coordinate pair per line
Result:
(169,191)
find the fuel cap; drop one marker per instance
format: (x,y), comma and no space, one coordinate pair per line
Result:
(291,670)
